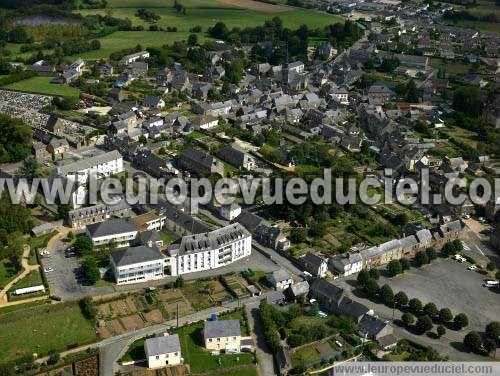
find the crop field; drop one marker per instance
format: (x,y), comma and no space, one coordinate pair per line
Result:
(42,85)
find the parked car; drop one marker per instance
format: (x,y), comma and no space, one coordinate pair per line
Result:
(48,269)
(472,267)
(490,283)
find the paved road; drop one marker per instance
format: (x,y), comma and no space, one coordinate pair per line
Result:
(112,349)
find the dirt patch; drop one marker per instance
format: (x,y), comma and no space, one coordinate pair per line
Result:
(324,349)
(132,322)
(120,308)
(153,317)
(131,304)
(257,5)
(170,296)
(104,310)
(104,332)
(115,326)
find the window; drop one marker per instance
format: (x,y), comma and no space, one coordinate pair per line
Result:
(157,357)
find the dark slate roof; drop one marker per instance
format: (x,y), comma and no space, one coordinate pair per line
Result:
(135,255)
(162,345)
(325,288)
(221,328)
(312,259)
(351,308)
(371,325)
(249,220)
(113,226)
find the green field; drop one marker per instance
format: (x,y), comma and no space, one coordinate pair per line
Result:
(449,67)
(43,328)
(477,25)
(42,85)
(22,306)
(32,279)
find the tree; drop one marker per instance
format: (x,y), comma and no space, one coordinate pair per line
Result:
(460,321)
(449,249)
(298,235)
(143,140)
(408,319)
(445,315)
(467,99)
(424,324)
(431,253)
(193,39)
(497,276)
(83,245)
(472,341)
(386,294)
(489,345)
(493,330)
(87,307)
(441,331)
(53,357)
(15,139)
(394,268)
(374,274)
(91,270)
(422,258)
(219,31)
(371,288)
(430,310)
(401,299)
(411,92)
(30,168)
(179,282)
(490,266)
(415,305)
(363,278)
(405,264)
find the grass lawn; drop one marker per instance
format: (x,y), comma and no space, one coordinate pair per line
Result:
(42,85)
(200,360)
(463,135)
(196,295)
(167,239)
(43,328)
(135,351)
(450,67)
(7,272)
(304,354)
(248,370)
(22,306)
(476,25)
(32,279)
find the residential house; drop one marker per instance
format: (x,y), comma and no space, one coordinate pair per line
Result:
(237,157)
(371,327)
(327,295)
(57,146)
(222,335)
(230,211)
(347,264)
(314,264)
(280,279)
(151,101)
(163,350)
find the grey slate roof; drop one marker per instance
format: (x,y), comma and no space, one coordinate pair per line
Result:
(162,345)
(209,240)
(111,227)
(85,163)
(221,328)
(135,255)
(277,276)
(371,325)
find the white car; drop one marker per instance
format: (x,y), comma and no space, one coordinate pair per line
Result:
(459,258)
(48,269)
(45,253)
(338,343)
(472,267)
(490,283)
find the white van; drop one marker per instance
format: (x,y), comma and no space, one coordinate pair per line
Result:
(490,283)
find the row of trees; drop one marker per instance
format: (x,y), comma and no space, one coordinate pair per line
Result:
(487,343)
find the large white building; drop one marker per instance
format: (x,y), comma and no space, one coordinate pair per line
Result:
(100,166)
(118,231)
(137,264)
(209,250)
(163,351)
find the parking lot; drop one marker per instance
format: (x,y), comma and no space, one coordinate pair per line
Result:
(66,280)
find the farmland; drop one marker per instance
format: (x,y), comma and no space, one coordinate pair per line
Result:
(42,329)
(42,85)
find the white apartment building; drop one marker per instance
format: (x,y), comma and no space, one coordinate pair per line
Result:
(118,231)
(163,351)
(137,264)
(127,59)
(209,250)
(100,166)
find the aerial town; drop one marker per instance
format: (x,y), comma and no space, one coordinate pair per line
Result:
(167,99)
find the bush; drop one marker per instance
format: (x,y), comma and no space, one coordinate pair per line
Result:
(386,294)
(441,331)
(490,266)
(91,270)
(431,253)
(493,330)
(87,308)
(363,278)
(405,263)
